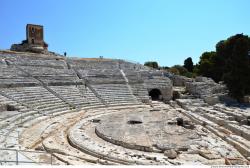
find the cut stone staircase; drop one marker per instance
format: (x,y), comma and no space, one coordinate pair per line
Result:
(38,98)
(115,94)
(83,98)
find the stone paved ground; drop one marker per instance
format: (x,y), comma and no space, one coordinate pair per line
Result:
(162,134)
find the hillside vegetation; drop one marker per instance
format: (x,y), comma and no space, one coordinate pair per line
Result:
(230,63)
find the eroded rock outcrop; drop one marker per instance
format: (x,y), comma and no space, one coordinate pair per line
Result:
(180,80)
(205,88)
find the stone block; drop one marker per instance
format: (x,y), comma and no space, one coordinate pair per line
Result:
(209,155)
(211,100)
(171,154)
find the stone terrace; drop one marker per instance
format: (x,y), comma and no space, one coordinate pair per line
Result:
(98,111)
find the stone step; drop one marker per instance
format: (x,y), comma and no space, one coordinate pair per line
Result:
(15,118)
(224,121)
(239,130)
(219,131)
(52,104)
(54,109)
(43,102)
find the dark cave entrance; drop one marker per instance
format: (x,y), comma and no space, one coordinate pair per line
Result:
(155,94)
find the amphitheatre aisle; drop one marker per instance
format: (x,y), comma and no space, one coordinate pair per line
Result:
(61,110)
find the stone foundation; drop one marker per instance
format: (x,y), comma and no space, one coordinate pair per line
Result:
(28,48)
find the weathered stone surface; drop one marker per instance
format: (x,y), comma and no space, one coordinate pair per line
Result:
(207,89)
(171,154)
(209,155)
(149,131)
(211,100)
(164,84)
(236,161)
(28,48)
(180,80)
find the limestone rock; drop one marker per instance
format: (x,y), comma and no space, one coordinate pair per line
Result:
(209,155)
(235,161)
(180,80)
(206,89)
(171,154)
(211,100)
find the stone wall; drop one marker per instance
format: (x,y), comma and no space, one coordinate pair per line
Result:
(34,34)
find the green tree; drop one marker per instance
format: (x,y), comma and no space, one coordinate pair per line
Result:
(188,64)
(237,66)
(164,67)
(152,64)
(180,70)
(230,63)
(206,64)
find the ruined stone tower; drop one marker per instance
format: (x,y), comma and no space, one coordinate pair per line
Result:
(34,34)
(34,40)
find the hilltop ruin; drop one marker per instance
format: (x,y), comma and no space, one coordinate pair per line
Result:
(34,40)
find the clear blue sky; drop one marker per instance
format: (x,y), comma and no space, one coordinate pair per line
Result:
(167,31)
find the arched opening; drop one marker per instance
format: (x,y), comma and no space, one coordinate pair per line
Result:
(155,94)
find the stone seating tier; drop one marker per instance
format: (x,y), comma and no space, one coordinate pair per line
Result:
(140,91)
(99,76)
(97,63)
(158,82)
(115,93)
(133,76)
(36,60)
(11,76)
(77,95)
(52,76)
(218,122)
(38,98)
(125,65)
(92,64)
